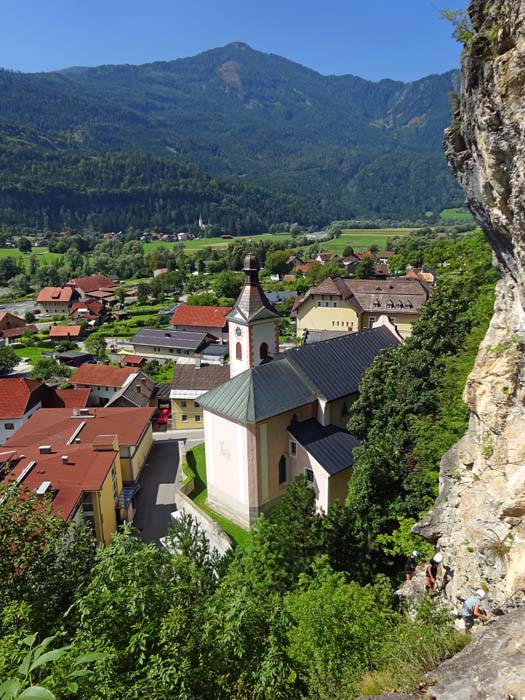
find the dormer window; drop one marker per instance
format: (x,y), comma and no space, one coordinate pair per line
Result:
(376,304)
(409,305)
(389,304)
(399,304)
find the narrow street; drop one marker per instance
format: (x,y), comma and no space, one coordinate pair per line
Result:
(156,499)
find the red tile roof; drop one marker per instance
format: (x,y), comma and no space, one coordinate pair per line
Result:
(17,396)
(66,398)
(289,278)
(55,426)
(303,268)
(133,360)
(102,375)
(93,306)
(65,331)
(201,316)
(92,283)
(17,332)
(48,294)
(86,470)
(12,320)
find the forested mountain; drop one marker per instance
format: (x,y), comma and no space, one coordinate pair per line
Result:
(348,146)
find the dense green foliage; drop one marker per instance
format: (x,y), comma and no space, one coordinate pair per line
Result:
(318,146)
(271,621)
(410,408)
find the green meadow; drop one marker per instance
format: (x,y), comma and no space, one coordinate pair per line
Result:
(362,239)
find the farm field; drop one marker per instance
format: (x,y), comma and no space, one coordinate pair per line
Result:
(43,254)
(362,239)
(199,243)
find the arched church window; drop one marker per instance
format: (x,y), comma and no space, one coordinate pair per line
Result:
(263,351)
(283,464)
(238,351)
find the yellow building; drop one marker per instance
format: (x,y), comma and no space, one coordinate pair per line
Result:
(82,460)
(189,383)
(350,305)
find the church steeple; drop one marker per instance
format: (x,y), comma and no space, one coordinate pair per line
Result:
(253,323)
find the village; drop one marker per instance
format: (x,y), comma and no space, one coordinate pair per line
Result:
(108,424)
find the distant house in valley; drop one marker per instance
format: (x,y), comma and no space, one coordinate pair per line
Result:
(324,258)
(57,300)
(133,361)
(276,298)
(86,286)
(189,383)
(294,260)
(425,274)
(355,304)
(165,344)
(13,327)
(73,358)
(160,271)
(22,398)
(91,310)
(103,380)
(138,390)
(65,332)
(205,319)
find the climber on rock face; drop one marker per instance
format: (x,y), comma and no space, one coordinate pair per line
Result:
(431,573)
(471,610)
(411,564)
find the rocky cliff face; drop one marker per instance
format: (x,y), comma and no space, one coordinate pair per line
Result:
(479,518)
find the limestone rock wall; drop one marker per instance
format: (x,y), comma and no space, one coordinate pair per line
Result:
(479,518)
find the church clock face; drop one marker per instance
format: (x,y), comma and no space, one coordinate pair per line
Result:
(238,332)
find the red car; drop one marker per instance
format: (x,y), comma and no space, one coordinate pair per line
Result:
(164,416)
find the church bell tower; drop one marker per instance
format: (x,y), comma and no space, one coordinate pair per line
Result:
(253,323)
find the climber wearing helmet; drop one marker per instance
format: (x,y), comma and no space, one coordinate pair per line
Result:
(410,565)
(471,610)
(431,572)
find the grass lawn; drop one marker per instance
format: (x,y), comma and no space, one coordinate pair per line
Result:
(43,255)
(197,462)
(362,239)
(456,215)
(199,243)
(33,354)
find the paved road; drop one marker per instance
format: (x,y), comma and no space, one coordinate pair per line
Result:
(19,308)
(156,500)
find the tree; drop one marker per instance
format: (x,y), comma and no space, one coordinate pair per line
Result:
(227,284)
(20,284)
(348,251)
(276,262)
(24,245)
(364,269)
(96,344)
(8,359)
(29,317)
(46,369)
(142,293)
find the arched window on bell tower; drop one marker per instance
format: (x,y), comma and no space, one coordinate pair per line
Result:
(238,351)
(263,351)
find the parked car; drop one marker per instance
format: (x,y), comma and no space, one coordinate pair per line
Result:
(164,416)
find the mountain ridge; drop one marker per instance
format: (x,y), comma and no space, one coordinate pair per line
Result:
(359,148)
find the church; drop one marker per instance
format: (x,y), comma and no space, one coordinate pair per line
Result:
(282,414)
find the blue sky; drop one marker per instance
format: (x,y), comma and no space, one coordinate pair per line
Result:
(399,39)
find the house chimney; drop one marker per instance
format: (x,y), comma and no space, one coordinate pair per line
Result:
(143,382)
(197,361)
(44,449)
(64,459)
(75,411)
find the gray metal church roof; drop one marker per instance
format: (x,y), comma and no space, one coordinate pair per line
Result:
(330,369)
(336,366)
(332,447)
(257,393)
